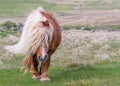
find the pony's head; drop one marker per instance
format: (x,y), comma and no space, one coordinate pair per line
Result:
(45,31)
(42,52)
(44,45)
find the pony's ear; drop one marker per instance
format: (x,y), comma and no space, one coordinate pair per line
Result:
(40,9)
(45,23)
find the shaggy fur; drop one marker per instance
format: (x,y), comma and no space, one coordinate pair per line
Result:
(40,28)
(33,34)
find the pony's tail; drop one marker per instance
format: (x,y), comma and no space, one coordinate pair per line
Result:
(27,62)
(16,49)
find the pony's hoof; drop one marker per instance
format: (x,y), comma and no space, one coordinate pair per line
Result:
(45,80)
(35,78)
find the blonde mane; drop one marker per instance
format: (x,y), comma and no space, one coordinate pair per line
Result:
(33,34)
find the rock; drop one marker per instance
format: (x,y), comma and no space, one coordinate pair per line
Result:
(12,26)
(1,29)
(82,28)
(19,26)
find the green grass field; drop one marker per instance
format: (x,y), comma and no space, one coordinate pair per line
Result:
(97,75)
(18,8)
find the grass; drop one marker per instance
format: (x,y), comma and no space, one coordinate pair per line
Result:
(97,75)
(92,28)
(94,62)
(100,4)
(5,32)
(10,8)
(88,27)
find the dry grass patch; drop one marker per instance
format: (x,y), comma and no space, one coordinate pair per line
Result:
(80,47)
(85,47)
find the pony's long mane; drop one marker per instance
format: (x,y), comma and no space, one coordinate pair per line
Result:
(33,34)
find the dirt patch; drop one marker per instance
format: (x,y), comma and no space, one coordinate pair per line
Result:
(76,2)
(82,17)
(82,46)
(91,17)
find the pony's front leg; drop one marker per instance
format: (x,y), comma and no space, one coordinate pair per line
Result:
(44,70)
(34,68)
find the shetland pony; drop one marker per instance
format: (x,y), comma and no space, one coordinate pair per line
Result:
(40,37)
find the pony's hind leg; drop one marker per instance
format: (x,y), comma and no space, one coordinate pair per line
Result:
(44,70)
(34,68)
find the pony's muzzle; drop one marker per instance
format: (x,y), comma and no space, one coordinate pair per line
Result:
(42,59)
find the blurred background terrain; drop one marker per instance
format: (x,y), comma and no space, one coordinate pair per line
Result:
(89,54)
